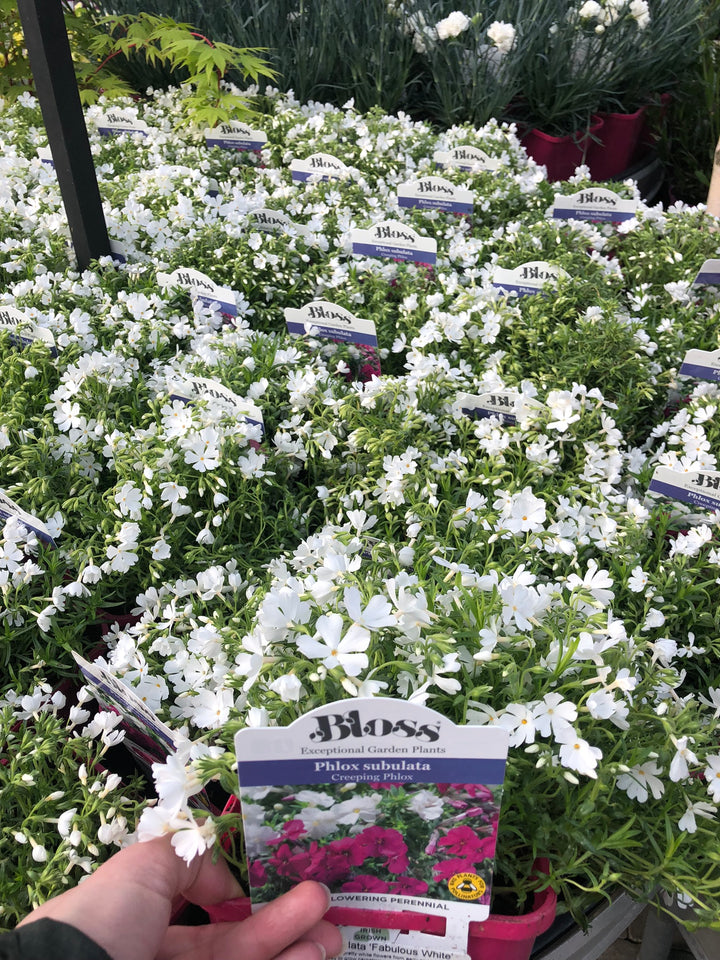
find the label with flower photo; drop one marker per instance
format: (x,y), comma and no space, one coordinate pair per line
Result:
(529,278)
(470,159)
(708,274)
(327,320)
(505,404)
(24,331)
(272,221)
(394,239)
(596,203)
(318,167)
(391,805)
(701,364)
(201,287)
(435,193)
(113,123)
(9,509)
(191,389)
(235,135)
(699,489)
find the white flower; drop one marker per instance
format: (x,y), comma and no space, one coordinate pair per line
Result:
(318,823)
(640,11)
(347,653)
(683,756)
(176,781)
(192,838)
(453,25)
(502,35)
(287,687)
(702,809)
(641,778)
(377,613)
(577,754)
(554,714)
(712,776)
(39,853)
(519,720)
(654,618)
(591,8)
(638,580)
(428,806)
(364,809)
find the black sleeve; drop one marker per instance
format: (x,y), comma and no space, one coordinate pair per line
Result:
(49,940)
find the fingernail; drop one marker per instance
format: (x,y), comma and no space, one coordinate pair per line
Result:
(321,948)
(326,888)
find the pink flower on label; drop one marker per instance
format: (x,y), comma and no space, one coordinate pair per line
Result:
(379,842)
(448,868)
(294,866)
(464,842)
(364,883)
(256,874)
(408,887)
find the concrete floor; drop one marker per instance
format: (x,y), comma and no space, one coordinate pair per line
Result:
(628,946)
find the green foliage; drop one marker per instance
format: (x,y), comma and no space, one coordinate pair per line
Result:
(160,41)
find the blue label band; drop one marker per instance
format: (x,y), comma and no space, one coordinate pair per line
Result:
(397,253)
(607,216)
(481,413)
(711,279)
(430,203)
(333,333)
(687,496)
(370,769)
(229,308)
(238,144)
(699,372)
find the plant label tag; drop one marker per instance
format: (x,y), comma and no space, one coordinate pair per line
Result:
(273,221)
(317,167)
(701,364)
(45,154)
(597,203)
(699,489)
(235,135)
(391,805)
(529,278)
(113,123)
(471,159)
(709,274)
(23,330)
(122,698)
(201,287)
(327,320)
(8,509)
(394,239)
(435,193)
(199,388)
(118,252)
(213,188)
(508,405)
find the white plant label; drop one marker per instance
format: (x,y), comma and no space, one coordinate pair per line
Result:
(235,135)
(701,364)
(698,489)
(202,287)
(327,320)
(113,123)
(709,274)
(8,509)
(394,239)
(471,159)
(23,330)
(345,793)
(200,388)
(213,188)
(274,221)
(597,203)
(528,278)
(435,193)
(508,405)
(318,166)
(45,154)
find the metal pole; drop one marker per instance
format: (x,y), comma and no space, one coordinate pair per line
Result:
(51,63)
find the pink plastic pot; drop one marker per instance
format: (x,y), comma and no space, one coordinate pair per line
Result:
(613,152)
(561,155)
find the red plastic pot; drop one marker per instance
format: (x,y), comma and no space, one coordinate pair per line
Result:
(615,148)
(561,155)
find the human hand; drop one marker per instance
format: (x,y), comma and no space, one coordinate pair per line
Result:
(125,907)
